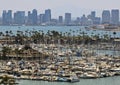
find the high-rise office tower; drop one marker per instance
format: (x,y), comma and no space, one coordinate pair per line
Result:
(115,17)
(106,17)
(34,17)
(83,20)
(4,17)
(19,17)
(97,20)
(77,21)
(67,18)
(47,16)
(60,20)
(42,18)
(93,16)
(9,17)
(29,19)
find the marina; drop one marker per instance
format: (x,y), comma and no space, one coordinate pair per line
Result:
(59,57)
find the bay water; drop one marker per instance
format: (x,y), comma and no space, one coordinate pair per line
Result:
(77,29)
(100,81)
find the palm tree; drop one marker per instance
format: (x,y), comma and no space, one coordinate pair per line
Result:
(1,34)
(73,37)
(83,36)
(114,33)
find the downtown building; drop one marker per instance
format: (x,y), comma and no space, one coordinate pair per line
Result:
(7,17)
(115,17)
(67,19)
(60,20)
(19,18)
(45,18)
(29,18)
(41,19)
(95,20)
(106,18)
(93,17)
(34,17)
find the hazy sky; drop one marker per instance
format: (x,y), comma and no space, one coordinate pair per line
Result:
(59,7)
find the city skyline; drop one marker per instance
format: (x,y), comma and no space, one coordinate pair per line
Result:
(34,18)
(59,7)
(54,17)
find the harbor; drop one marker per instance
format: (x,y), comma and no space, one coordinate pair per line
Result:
(56,56)
(67,65)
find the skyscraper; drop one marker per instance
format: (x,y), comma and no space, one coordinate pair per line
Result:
(106,17)
(42,18)
(7,17)
(83,20)
(60,20)
(67,18)
(19,17)
(115,17)
(93,16)
(34,17)
(47,16)
(4,17)
(29,19)
(97,20)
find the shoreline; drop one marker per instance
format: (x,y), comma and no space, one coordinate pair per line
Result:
(103,29)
